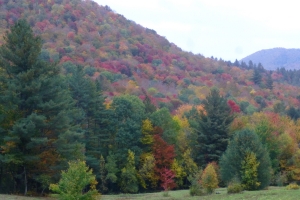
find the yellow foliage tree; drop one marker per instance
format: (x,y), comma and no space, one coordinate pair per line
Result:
(147,131)
(146,173)
(249,172)
(180,174)
(209,179)
(129,181)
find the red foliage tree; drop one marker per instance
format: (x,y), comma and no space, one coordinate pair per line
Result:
(71,35)
(164,156)
(234,107)
(167,179)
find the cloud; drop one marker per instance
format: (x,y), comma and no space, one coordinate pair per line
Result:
(278,15)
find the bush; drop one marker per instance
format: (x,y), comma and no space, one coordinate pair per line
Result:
(74,181)
(196,190)
(196,187)
(292,186)
(234,187)
(280,179)
(209,179)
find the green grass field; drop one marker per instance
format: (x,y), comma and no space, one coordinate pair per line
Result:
(273,193)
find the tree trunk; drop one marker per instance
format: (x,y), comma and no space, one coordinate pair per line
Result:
(25,181)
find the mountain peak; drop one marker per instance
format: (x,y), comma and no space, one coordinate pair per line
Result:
(275,58)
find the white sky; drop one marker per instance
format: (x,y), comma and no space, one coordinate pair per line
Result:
(227,29)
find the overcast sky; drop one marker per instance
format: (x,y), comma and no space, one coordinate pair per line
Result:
(227,29)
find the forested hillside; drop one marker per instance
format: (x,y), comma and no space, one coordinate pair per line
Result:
(80,82)
(129,58)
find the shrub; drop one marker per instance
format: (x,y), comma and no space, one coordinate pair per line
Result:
(292,186)
(234,187)
(196,190)
(74,181)
(281,179)
(196,187)
(209,179)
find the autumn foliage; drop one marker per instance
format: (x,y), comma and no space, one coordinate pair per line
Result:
(137,96)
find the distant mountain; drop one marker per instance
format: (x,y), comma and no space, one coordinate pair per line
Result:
(276,58)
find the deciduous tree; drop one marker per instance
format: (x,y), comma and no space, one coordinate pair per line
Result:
(243,143)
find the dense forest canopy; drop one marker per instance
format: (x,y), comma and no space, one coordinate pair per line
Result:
(79,81)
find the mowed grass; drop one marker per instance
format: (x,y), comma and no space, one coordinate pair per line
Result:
(15,197)
(273,193)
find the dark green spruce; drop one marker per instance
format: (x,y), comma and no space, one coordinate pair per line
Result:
(211,126)
(37,133)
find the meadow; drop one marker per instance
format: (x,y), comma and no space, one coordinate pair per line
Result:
(278,193)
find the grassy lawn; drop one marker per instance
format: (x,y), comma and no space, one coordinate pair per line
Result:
(15,197)
(278,193)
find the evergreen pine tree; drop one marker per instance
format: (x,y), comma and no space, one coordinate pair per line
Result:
(236,63)
(91,115)
(256,78)
(269,82)
(149,106)
(41,137)
(212,128)
(250,64)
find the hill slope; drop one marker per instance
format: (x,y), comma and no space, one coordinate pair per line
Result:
(275,58)
(128,58)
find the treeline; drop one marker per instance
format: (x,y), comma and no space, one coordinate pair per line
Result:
(50,115)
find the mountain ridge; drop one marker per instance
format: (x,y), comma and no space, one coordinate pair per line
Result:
(275,58)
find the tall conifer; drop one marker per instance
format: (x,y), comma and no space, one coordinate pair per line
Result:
(41,137)
(212,128)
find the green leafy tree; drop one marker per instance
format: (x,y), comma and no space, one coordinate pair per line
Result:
(74,181)
(112,171)
(162,118)
(129,181)
(265,131)
(212,127)
(293,113)
(129,112)
(279,107)
(42,137)
(233,163)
